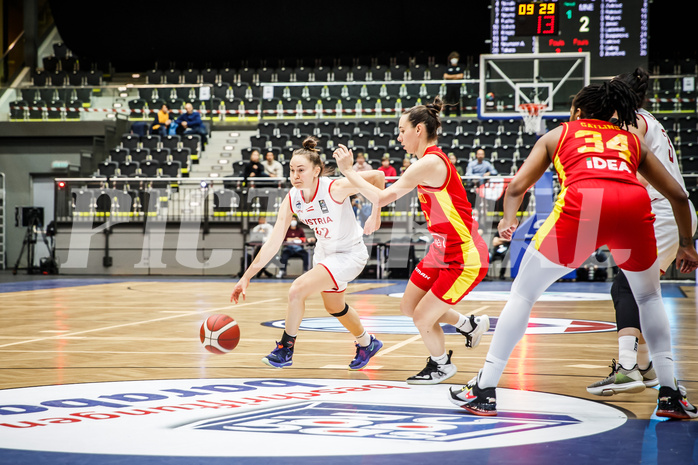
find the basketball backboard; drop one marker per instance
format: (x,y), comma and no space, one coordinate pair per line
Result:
(508,80)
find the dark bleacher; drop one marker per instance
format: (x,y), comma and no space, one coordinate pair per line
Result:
(503,140)
(151,155)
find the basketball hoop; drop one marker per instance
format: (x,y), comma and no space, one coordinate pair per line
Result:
(532,114)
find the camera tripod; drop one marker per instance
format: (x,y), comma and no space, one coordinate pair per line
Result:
(34,228)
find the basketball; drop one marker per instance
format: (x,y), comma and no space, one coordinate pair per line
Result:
(219,334)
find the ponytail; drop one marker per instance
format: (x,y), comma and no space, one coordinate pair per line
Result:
(601,101)
(638,81)
(429,115)
(312,153)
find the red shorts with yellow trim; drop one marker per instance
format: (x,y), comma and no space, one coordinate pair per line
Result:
(450,277)
(592,213)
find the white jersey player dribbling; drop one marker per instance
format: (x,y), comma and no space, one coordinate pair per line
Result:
(340,247)
(340,253)
(665,229)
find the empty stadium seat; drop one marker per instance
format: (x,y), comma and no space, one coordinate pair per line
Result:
(107,168)
(128,168)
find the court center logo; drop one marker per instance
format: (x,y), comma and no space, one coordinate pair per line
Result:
(398,324)
(232,417)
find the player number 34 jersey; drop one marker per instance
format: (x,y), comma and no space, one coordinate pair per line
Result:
(593,149)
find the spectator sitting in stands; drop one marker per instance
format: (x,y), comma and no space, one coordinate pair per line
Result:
(162,121)
(365,210)
(263,230)
(454,162)
(387,169)
(356,206)
(293,247)
(190,122)
(479,166)
(361,163)
(272,167)
(405,164)
(254,168)
(499,249)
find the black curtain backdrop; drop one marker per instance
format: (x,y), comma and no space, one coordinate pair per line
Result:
(133,35)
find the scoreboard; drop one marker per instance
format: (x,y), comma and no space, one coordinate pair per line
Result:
(614,32)
(536,18)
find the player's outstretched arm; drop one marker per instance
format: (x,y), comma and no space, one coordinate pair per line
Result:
(267,251)
(380,198)
(343,188)
(533,168)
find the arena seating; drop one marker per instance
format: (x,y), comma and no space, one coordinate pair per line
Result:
(151,156)
(355,88)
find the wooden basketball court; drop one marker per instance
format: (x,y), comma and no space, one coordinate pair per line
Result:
(89,330)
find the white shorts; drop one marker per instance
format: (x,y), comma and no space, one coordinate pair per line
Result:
(343,267)
(667,233)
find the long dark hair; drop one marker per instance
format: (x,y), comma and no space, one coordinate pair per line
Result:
(428,114)
(601,101)
(310,151)
(638,81)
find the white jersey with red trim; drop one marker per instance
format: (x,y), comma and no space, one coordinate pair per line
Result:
(665,229)
(334,223)
(659,142)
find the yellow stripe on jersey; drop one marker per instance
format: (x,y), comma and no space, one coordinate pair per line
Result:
(471,256)
(562,176)
(547,226)
(470,272)
(450,212)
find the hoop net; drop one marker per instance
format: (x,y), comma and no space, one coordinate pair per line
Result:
(532,114)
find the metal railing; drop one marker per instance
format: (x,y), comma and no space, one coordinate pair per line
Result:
(229,199)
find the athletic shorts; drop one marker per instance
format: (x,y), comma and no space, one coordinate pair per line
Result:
(667,232)
(592,213)
(343,267)
(451,280)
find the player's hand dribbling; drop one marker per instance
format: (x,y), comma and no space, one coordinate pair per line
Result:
(239,289)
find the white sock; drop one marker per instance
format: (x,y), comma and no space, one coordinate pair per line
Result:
(654,321)
(364,340)
(627,351)
(491,372)
(643,356)
(441,360)
(664,366)
(464,323)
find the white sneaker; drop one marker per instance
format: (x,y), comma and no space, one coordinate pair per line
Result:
(619,381)
(434,373)
(649,376)
(279,274)
(480,325)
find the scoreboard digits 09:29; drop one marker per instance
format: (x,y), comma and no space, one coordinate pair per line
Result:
(536,18)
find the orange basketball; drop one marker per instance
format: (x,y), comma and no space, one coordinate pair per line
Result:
(219,334)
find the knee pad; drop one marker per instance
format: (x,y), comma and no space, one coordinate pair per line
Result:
(342,313)
(627,311)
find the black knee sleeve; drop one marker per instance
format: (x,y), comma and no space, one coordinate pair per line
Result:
(342,313)
(627,312)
